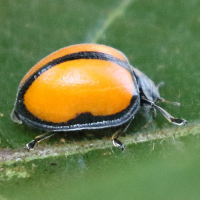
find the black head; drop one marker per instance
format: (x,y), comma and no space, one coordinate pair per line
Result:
(149,95)
(147,88)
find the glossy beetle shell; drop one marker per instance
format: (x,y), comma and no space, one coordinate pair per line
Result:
(84,86)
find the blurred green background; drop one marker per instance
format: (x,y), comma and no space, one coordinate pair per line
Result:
(162,39)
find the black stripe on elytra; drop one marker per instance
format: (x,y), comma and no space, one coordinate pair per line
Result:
(25,115)
(69,57)
(77,56)
(84,120)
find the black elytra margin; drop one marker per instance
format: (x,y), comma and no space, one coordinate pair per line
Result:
(83,120)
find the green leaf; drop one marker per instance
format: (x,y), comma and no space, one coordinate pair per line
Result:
(162,39)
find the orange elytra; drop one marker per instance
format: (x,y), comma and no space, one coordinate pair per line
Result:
(84,86)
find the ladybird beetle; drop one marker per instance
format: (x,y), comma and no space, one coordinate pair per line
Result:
(84,86)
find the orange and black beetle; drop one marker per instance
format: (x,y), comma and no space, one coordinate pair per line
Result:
(85,86)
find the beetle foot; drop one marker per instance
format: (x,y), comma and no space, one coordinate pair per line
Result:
(179,122)
(119,144)
(30,145)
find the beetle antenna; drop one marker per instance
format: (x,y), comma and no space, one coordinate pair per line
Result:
(170,102)
(160,85)
(165,101)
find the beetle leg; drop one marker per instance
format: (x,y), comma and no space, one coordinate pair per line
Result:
(147,124)
(39,138)
(170,118)
(115,136)
(116,142)
(149,114)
